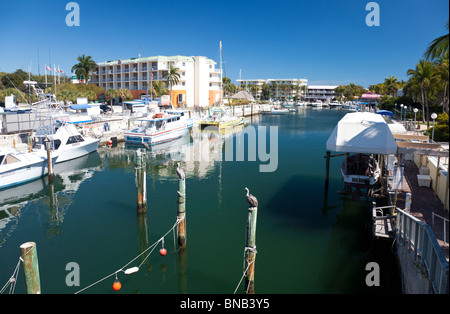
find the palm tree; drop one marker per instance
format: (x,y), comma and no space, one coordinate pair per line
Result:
(443,73)
(438,47)
(173,77)
(424,76)
(65,95)
(391,85)
(159,88)
(84,67)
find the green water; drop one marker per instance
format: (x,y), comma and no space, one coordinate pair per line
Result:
(306,242)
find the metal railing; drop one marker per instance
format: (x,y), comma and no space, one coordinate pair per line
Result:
(423,243)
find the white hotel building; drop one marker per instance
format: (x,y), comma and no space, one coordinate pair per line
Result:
(279,88)
(199,83)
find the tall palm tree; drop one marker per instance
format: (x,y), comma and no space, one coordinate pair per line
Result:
(438,47)
(391,83)
(173,77)
(424,76)
(443,72)
(84,67)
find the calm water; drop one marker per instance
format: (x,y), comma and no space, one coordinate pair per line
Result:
(306,242)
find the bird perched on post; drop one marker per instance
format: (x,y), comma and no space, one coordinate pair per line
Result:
(252,201)
(180,172)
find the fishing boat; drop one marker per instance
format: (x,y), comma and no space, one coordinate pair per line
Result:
(277,110)
(317,104)
(20,167)
(160,128)
(360,169)
(221,121)
(66,141)
(183,113)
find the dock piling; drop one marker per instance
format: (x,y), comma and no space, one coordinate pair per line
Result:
(51,176)
(250,244)
(28,254)
(181,208)
(141,183)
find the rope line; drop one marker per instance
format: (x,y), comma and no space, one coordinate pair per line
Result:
(13,279)
(151,248)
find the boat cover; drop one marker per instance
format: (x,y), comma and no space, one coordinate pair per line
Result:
(362,132)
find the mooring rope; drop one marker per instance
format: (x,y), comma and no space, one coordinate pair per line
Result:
(151,248)
(13,279)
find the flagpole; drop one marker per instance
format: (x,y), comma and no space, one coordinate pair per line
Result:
(54,76)
(45,77)
(59,76)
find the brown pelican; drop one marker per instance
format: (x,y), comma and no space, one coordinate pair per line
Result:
(252,201)
(180,172)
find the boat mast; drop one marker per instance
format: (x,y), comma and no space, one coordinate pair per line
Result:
(221,75)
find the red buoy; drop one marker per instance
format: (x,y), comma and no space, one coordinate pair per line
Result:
(117,285)
(163,251)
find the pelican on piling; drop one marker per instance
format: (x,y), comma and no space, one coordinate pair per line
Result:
(180,172)
(252,201)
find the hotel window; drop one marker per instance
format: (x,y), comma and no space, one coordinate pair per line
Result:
(184,63)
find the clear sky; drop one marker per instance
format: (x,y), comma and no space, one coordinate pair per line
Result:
(325,41)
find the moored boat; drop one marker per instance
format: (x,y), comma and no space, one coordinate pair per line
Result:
(360,169)
(159,128)
(20,167)
(66,141)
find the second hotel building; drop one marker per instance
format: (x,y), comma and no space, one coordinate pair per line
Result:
(199,83)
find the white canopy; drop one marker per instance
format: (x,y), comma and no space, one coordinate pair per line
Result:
(362,132)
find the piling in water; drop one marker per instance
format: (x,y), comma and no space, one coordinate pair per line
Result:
(141,184)
(28,253)
(181,208)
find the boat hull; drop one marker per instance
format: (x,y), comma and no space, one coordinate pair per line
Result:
(222,124)
(14,175)
(76,150)
(155,138)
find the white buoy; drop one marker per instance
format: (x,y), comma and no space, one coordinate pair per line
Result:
(131,270)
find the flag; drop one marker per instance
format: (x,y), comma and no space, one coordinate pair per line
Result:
(61,71)
(47,68)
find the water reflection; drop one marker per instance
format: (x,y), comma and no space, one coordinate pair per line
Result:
(55,198)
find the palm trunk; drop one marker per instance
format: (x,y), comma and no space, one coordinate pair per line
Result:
(423,104)
(428,110)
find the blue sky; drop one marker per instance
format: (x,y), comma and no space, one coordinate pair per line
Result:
(325,41)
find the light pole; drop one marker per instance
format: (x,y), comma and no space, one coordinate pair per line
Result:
(395,108)
(401,112)
(415,124)
(433,116)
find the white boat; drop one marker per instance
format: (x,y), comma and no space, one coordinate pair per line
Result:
(360,169)
(159,128)
(317,104)
(277,110)
(67,142)
(335,104)
(301,104)
(19,167)
(183,113)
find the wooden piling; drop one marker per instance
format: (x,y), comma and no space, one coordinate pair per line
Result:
(51,176)
(181,208)
(28,253)
(141,183)
(327,170)
(250,249)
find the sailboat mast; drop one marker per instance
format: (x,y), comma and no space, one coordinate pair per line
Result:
(221,75)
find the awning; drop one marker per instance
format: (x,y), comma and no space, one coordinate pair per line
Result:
(385,112)
(362,132)
(370,95)
(78,107)
(243,95)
